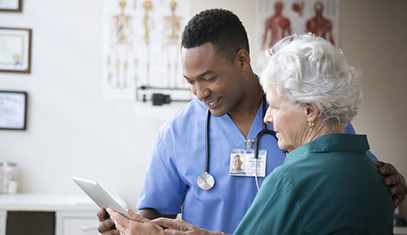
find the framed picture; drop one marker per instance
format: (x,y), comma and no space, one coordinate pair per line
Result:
(13,110)
(11,5)
(15,50)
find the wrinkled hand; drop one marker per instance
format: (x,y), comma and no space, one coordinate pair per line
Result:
(134,224)
(106,226)
(180,227)
(394,180)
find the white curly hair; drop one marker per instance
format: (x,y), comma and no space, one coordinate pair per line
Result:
(308,69)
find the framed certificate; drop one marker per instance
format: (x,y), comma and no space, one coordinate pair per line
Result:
(15,50)
(11,5)
(13,110)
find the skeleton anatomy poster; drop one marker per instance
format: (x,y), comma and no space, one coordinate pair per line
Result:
(142,49)
(278,19)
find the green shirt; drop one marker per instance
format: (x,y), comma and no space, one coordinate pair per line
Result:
(327,186)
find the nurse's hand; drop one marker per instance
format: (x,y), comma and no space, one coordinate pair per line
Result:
(180,227)
(394,180)
(134,224)
(106,225)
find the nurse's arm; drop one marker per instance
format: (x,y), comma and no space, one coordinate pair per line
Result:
(150,213)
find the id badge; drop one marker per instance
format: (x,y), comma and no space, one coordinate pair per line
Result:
(243,163)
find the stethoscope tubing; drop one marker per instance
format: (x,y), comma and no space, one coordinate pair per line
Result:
(207,142)
(261,133)
(206,181)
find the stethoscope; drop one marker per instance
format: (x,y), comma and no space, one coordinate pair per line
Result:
(206,180)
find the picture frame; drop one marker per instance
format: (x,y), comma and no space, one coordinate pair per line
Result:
(15,50)
(13,110)
(11,5)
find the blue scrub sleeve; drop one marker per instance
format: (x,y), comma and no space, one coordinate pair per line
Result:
(163,190)
(349,130)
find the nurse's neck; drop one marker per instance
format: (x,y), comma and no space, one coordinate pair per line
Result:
(245,111)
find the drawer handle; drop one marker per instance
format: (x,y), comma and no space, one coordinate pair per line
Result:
(88,228)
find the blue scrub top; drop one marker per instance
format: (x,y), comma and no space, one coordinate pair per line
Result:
(179,158)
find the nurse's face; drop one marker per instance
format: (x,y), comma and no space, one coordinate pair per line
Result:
(214,79)
(289,121)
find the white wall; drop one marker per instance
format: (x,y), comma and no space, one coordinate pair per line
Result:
(373,36)
(73,131)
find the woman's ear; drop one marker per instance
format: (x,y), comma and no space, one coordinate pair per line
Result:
(242,59)
(311,112)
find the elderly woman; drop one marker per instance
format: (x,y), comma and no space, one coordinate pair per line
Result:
(327,183)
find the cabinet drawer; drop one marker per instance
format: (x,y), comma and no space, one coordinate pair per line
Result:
(80,226)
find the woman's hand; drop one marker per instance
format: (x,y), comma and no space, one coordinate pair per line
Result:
(134,224)
(180,227)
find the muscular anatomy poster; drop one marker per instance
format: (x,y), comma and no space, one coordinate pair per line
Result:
(278,19)
(142,49)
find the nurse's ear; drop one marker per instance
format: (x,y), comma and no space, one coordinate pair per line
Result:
(242,60)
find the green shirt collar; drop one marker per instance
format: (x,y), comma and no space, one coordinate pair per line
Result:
(331,143)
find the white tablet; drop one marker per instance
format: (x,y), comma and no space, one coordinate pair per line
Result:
(98,195)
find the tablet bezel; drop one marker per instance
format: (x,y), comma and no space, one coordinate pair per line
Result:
(98,194)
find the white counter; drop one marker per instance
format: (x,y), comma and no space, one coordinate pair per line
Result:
(69,210)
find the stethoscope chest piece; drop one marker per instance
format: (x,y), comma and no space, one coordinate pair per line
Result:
(206,181)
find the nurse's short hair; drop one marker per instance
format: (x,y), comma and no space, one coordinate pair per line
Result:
(221,28)
(308,69)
